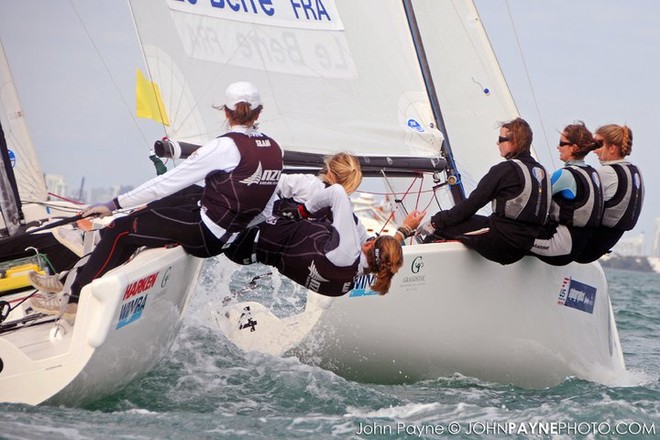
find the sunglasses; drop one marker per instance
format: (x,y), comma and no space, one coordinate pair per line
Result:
(563,144)
(501,139)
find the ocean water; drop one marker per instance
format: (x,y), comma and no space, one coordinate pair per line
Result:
(209,389)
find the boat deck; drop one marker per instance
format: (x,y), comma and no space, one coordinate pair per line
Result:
(40,336)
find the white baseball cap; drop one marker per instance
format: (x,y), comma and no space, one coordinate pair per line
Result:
(242,92)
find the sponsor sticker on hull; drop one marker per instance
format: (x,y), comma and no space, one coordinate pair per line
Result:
(416,278)
(135,299)
(361,286)
(577,295)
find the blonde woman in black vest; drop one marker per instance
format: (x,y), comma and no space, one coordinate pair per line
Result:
(623,190)
(316,240)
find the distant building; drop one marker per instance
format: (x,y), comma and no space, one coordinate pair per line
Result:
(124,189)
(629,253)
(99,195)
(655,245)
(56,184)
(630,246)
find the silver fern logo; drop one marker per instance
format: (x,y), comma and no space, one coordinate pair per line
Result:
(262,177)
(255,177)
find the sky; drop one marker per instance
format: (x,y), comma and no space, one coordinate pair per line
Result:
(595,61)
(564,60)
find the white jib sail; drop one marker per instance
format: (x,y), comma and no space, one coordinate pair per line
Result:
(29,178)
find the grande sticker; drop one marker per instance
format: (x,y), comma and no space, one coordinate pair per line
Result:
(410,282)
(577,295)
(135,299)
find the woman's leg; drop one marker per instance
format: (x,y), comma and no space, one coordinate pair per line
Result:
(474,223)
(151,228)
(492,246)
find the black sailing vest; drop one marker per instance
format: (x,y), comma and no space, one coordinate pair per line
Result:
(531,205)
(586,210)
(233,199)
(298,250)
(622,210)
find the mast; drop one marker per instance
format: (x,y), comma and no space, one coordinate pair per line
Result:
(9,200)
(457,191)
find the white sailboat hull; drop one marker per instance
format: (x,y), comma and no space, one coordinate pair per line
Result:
(451,311)
(126,322)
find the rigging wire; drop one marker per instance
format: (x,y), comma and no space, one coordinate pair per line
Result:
(108,71)
(400,201)
(531,86)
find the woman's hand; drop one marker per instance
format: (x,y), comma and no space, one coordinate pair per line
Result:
(410,224)
(100,210)
(413,219)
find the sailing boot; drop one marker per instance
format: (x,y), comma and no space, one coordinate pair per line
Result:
(45,283)
(53,304)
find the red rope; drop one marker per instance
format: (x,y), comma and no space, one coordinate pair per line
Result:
(393,212)
(65,199)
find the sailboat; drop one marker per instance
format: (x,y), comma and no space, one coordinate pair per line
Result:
(388,81)
(126,320)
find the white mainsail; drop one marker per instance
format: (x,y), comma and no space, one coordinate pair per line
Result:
(342,75)
(326,82)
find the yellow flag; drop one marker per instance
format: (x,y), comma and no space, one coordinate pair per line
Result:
(148,103)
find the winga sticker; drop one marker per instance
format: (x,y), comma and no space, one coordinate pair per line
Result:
(577,295)
(361,286)
(135,299)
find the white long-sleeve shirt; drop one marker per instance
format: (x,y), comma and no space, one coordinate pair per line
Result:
(218,154)
(343,220)
(301,188)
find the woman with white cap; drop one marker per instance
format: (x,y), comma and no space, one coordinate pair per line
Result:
(240,169)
